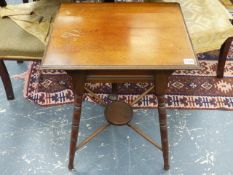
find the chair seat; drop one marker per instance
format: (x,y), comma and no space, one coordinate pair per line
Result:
(22,36)
(17,43)
(207,22)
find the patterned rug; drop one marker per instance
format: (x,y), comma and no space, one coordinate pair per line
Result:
(188,89)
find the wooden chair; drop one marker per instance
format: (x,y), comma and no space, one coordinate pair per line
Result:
(224,50)
(209,25)
(18,45)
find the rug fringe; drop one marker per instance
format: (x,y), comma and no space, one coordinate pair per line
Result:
(20,76)
(26,79)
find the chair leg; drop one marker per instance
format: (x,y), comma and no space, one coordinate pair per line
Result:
(3,3)
(223,56)
(6,81)
(19,62)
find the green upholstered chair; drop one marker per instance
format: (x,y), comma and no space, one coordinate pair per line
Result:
(16,44)
(209,26)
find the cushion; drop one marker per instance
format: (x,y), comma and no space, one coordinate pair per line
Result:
(17,43)
(207,22)
(23,35)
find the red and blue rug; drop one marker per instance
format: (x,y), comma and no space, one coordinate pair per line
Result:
(188,89)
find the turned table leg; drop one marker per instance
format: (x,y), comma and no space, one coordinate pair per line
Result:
(78,79)
(163,130)
(161,83)
(6,81)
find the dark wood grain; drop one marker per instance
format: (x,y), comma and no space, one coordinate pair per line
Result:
(120,36)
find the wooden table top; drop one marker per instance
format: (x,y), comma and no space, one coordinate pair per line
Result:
(115,36)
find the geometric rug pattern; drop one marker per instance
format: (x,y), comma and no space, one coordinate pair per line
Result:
(188,89)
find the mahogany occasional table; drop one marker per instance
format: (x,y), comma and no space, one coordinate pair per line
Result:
(117,43)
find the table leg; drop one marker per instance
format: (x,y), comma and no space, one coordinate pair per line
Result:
(114,95)
(161,82)
(163,129)
(78,79)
